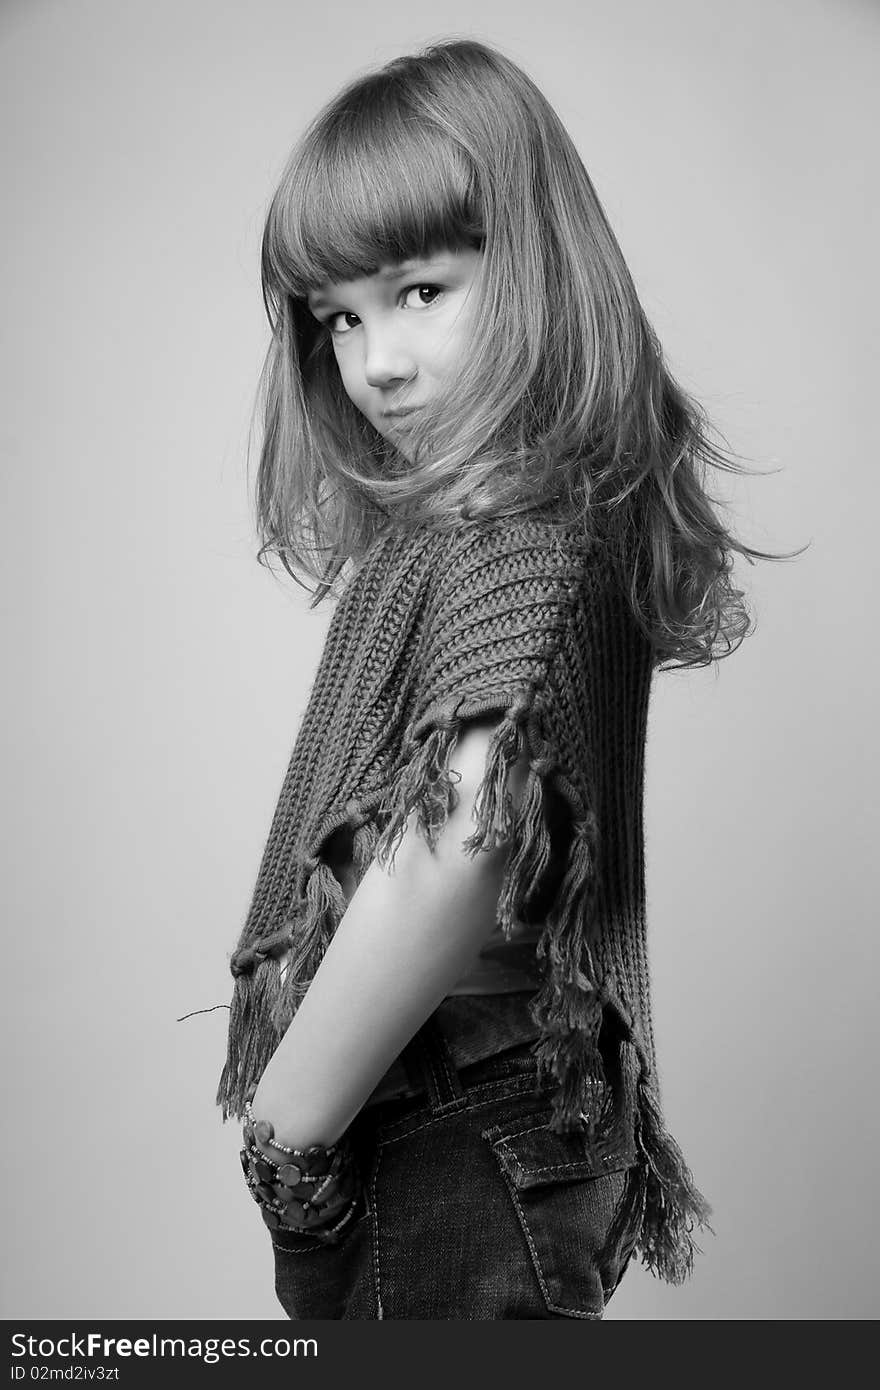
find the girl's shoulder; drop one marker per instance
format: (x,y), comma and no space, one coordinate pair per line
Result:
(483,566)
(532,550)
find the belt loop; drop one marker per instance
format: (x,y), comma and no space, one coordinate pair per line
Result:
(428,1063)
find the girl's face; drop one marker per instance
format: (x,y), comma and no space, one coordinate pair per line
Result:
(400,335)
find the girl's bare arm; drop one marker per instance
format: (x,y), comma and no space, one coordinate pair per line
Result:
(404,940)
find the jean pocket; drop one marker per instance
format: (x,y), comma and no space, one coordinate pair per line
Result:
(318,1280)
(569,1198)
(296,1241)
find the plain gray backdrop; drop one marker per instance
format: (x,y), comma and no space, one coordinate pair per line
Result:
(155,674)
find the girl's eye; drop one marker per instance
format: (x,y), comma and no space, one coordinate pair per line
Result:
(338,323)
(416,297)
(425,295)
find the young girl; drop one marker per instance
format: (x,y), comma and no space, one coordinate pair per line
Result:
(440,1037)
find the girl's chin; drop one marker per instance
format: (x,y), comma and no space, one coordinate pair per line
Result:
(398,443)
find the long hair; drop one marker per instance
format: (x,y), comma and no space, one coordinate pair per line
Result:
(563,406)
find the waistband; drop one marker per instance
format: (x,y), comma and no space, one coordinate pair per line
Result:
(463,1029)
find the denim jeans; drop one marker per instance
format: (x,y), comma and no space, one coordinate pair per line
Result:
(472,1207)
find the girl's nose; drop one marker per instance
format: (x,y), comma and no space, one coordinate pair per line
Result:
(386,360)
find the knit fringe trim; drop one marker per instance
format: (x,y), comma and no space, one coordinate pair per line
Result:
(250,1041)
(264,1000)
(569,1006)
(672,1206)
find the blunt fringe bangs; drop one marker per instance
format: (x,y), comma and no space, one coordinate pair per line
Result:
(374,184)
(564,405)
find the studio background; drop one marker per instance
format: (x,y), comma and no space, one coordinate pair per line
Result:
(155,674)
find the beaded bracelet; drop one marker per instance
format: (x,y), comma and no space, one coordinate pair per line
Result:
(305,1192)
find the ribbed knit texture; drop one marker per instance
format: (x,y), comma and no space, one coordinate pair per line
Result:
(432,630)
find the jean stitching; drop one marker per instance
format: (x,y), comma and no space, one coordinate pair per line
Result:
(453,1081)
(455,1102)
(427,1062)
(312,1249)
(514,1091)
(451,1107)
(436,1085)
(375,1205)
(560,1167)
(615,1156)
(552,1307)
(438,1105)
(504,1143)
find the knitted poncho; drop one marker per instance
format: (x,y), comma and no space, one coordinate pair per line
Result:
(528,620)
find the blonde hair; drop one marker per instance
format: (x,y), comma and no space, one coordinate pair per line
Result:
(564,404)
